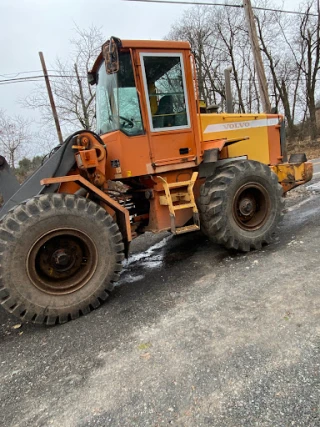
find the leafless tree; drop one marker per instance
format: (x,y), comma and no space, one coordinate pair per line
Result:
(284,75)
(308,58)
(195,28)
(15,137)
(73,95)
(230,29)
(293,61)
(219,38)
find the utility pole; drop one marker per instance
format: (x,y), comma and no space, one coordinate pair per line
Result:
(262,80)
(53,106)
(227,81)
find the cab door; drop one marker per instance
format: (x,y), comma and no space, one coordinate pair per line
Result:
(171,117)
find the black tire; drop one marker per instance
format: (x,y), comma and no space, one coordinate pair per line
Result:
(59,255)
(241,206)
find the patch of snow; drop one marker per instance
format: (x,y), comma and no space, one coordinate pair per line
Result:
(147,259)
(148,253)
(130,278)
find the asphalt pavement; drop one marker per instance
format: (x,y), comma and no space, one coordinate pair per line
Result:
(193,335)
(316,168)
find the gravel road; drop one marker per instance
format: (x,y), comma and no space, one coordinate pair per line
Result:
(193,336)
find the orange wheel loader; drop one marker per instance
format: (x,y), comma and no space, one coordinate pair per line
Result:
(154,163)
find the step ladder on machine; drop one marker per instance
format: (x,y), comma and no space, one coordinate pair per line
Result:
(184,200)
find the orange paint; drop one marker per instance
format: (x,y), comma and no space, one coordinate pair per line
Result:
(172,151)
(274,142)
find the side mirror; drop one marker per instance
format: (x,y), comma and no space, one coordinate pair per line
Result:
(110,53)
(91,78)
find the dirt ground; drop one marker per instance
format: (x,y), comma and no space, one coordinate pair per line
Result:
(312,150)
(193,336)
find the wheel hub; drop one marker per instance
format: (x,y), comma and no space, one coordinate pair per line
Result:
(247,206)
(62,261)
(251,206)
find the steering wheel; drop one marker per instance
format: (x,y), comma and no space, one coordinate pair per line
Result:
(128,124)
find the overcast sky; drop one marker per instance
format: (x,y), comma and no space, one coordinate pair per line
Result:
(30,26)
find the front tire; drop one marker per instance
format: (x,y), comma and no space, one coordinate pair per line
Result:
(60,255)
(241,206)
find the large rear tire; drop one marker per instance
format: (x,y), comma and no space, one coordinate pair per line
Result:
(59,255)
(241,206)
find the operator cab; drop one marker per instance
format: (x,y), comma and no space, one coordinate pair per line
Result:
(145,93)
(117,102)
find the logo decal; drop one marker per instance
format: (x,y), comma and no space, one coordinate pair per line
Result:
(220,127)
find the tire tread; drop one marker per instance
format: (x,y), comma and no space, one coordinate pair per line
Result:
(21,214)
(213,195)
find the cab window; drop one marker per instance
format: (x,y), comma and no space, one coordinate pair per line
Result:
(164,82)
(117,101)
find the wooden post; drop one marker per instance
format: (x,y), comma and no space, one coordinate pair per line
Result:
(263,86)
(227,81)
(53,107)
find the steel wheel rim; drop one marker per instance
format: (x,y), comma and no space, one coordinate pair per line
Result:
(251,206)
(62,261)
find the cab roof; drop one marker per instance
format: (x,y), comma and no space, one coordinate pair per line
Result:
(147,44)
(155,44)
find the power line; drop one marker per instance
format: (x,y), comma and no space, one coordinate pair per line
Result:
(22,81)
(38,78)
(24,78)
(204,3)
(12,75)
(184,2)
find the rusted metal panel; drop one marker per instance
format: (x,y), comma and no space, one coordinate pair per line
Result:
(291,175)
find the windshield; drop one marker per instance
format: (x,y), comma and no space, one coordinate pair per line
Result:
(117,102)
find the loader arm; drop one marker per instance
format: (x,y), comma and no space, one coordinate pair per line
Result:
(14,194)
